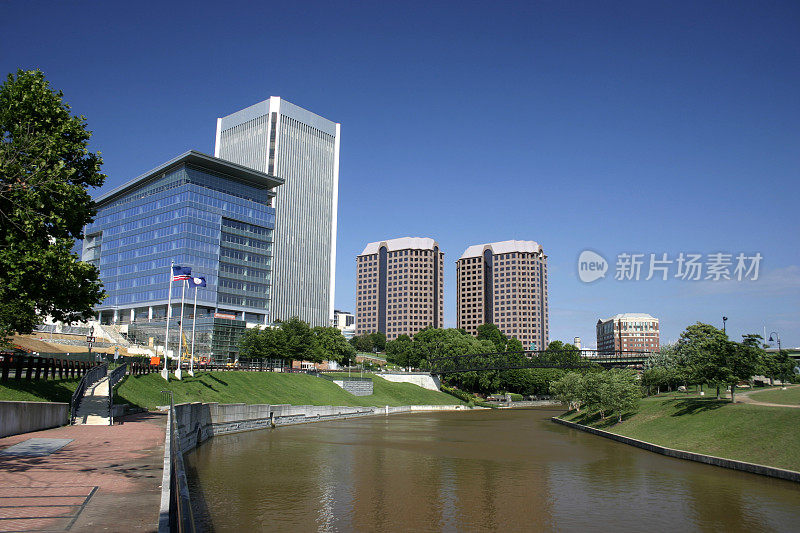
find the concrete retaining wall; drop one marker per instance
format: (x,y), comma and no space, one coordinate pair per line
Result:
(690,456)
(23,417)
(422,379)
(198,422)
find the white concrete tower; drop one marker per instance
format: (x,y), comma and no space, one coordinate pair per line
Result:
(284,140)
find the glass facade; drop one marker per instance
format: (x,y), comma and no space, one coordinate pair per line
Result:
(197,211)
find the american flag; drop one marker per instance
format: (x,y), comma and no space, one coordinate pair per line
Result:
(180,273)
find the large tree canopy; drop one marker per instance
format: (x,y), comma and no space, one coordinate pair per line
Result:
(45,170)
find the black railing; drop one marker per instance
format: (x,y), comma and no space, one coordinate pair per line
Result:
(89,378)
(338,377)
(181,518)
(567,359)
(113,378)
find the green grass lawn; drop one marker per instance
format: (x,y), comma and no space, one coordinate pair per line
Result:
(790,396)
(271,388)
(753,433)
(56,390)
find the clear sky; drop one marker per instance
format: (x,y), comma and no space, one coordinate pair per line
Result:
(642,127)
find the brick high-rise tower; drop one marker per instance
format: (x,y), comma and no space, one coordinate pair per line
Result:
(505,283)
(399,287)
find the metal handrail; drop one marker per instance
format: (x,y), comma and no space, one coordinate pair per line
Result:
(89,378)
(113,378)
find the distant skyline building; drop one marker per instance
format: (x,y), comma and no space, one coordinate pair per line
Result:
(211,215)
(281,139)
(636,332)
(505,283)
(345,322)
(400,287)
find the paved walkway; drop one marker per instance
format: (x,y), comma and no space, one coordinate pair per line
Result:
(744,397)
(94,409)
(108,478)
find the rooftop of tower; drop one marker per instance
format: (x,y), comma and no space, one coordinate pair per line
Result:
(502,247)
(403,243)
(631,316)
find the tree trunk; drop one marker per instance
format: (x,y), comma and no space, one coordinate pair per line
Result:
(771,381)
(717,391)
(733,392)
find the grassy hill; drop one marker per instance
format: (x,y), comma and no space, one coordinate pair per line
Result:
(234,387)
(753,433)
(273,388)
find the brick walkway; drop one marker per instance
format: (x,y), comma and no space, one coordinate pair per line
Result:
(106,479)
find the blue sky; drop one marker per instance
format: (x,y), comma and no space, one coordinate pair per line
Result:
(645,127)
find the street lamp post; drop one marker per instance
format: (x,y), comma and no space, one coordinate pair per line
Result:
(773,335)
(776,337)
(724,329)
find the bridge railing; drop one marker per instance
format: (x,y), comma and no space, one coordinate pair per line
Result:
(567,359)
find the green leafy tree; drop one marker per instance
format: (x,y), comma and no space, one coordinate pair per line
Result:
(563,354)
(569,390)
(251,344)
(331,345)
(513,345)
(268,343)
(45,171)
(744,360)
(363,343)
(623,392)
(379,340)
(399,350)
(490,332)
(299,342)
(705,350)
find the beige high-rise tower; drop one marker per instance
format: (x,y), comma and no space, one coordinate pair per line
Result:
(505,283)
(399,287)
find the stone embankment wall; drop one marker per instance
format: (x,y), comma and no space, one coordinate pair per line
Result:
(198,422)
(422,379)
(356,387)
(690,456)
(23,417)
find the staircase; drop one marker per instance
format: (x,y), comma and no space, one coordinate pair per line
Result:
(112,332)
(94,408)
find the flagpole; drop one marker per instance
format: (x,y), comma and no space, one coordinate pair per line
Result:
(180,331)
(194,320)
(165,372)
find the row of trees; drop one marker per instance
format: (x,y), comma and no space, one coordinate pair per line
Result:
(704,354)
(296,340)
(614,391)
(415,353)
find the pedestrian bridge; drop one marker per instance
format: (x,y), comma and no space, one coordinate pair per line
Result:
(567,359)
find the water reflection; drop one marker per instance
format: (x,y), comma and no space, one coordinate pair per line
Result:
(470,471)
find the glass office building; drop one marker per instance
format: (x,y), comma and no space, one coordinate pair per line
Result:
(198,211)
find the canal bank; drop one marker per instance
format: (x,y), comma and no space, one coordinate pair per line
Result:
(190,424)
(483,470)
(742,466)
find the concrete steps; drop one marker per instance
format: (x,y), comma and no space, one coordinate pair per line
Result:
(93,409)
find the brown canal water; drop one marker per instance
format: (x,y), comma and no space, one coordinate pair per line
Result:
(499,470)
